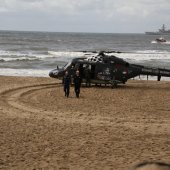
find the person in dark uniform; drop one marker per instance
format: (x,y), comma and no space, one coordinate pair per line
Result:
(66,83)
(77,83)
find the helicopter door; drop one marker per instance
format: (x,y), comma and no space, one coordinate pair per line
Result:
(93,69)
(81,70)
(103,71)
(79,67)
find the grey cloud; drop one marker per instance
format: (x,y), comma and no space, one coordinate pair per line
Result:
(86,15)
(111,6)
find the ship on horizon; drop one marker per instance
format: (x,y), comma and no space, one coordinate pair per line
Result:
(161,31)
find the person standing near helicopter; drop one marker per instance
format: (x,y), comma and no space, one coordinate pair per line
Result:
(66,83)
(77,83)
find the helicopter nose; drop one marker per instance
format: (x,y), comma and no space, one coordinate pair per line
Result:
(53,73)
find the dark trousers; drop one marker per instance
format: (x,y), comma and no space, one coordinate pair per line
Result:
(77,90)
(67,90)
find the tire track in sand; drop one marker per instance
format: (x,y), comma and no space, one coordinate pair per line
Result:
(11,99)
(14,106)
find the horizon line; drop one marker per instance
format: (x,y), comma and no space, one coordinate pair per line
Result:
(7,30)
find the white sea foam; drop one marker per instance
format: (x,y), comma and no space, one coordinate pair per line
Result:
(19,56)
(67,54)
(24,72)
(151,52)
(144,56)
(138,55)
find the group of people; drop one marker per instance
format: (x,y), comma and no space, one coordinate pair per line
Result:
(67,81)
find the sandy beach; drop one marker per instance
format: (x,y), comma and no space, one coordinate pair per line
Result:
(104,129)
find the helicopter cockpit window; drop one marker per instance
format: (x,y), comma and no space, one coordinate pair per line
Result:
(73,65)
(67,65)
(84,65)
(77,66)
(87,66)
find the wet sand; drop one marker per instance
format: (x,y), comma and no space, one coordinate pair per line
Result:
(104,129)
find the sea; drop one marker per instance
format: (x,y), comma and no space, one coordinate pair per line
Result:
(36,53)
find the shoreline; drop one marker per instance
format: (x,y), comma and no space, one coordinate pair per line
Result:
(104,129)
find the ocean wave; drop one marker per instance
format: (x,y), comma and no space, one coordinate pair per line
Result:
(70,54)
(27,49)
(144,56)
(65,56)
(16,58)
(26,59)
(15,53)
(151,52)
(24,72)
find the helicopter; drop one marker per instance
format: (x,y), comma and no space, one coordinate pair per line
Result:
(107,69)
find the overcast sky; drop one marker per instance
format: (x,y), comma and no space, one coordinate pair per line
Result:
(114,16)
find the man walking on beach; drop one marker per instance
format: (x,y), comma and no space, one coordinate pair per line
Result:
(77,83)
(66,83)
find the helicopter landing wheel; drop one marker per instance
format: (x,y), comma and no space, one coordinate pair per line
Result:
(114,85)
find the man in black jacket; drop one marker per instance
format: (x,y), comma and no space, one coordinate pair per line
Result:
(66,83)
(77,83)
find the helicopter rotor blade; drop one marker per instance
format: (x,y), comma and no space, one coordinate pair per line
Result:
(104,51)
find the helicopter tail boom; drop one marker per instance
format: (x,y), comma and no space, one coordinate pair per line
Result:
(159,72)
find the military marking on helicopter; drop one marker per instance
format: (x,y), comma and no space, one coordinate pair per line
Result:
(150,70)
(104,75)
(107,69)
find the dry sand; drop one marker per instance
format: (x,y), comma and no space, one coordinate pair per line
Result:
(104,129)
